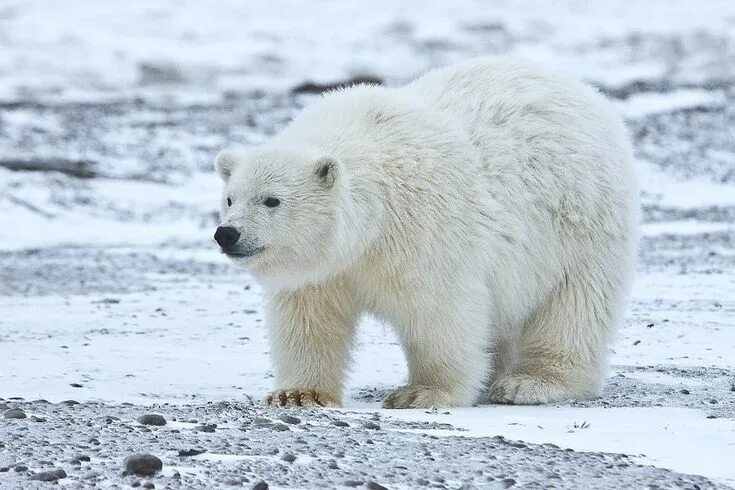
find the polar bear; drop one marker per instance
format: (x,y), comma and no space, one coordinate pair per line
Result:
(487,211)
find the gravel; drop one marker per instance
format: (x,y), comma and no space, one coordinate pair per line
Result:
(244,451)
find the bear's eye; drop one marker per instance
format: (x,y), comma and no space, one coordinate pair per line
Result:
(271,202)
(229,201)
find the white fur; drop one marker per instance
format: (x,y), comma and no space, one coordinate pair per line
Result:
(488,211)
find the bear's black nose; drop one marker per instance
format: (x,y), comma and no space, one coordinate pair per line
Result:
(226,236)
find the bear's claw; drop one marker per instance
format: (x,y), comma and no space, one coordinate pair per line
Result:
(300,398)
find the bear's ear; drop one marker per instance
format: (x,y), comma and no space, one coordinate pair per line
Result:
(225,162)
(326,171)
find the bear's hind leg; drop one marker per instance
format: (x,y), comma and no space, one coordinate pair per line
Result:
(561,347)
(447,357)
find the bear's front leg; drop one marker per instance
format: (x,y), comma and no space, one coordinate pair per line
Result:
(311,332)
(446,354)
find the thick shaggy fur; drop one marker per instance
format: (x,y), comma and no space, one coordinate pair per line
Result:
(487,211)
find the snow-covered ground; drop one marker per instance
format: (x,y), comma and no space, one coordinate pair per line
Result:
(109,279)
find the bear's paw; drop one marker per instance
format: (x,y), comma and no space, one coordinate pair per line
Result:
(418,396)
(524,389)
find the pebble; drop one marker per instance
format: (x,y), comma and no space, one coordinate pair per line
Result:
(370,425)
(684,392)
(288,458)
(279,427)
(261,485)
(190,452)
(50,476)
(371,485)
(289,419)
(14,413)
(206,428)
(152,419)
(340,423)
(20,468)
(143,464)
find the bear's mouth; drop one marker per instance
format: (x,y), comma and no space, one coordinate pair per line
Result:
(241,254)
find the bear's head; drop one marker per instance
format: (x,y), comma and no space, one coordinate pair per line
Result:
(279,212)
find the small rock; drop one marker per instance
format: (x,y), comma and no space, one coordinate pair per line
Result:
(76,385)
(289,419)
(151,419)
(70,402)
(37,419)
(684,392)
(279,427)
(261,485)
(288,458)
(82,457)
(20,468)
(370,425)
(149,485)
(340,423)
(50,476)
(190,452)
(4,469)
(375,486)
(353,483)
(143,464)
(14,413)
(206,428)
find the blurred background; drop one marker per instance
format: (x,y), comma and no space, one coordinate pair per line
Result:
(111,112)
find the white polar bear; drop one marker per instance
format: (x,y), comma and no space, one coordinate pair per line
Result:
(487,211)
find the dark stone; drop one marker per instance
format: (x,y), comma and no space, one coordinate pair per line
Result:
(190,452)
(279,427)
(14,413)
(261,485)
(289,419)
(370,425)
(50,476)
(151,419)
(684,392)
(206,428)
(371,485)
(149,485)
(143,464)
(340,423)
(76,385)
(353,483)
(20,468)
(288,458)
